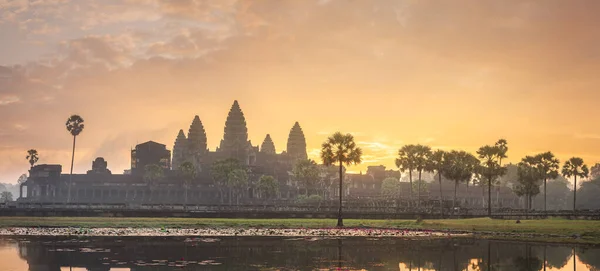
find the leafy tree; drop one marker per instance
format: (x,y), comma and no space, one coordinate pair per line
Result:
(390,188)
(188,173)
(327,179)
(595,171)
(6,196)
(220,171)
(75,126)
(548,166)
(407,161)
(558,194)
(528,175)
(153,173)
(460,167)
(237,181)
(340,149)
(306,172)
(437,163)
(268,186)
(421,186)
(22,179)
(491,168)
(587,195)
(575,167)
(32,157)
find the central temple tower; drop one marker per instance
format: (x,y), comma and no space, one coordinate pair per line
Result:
(235,142)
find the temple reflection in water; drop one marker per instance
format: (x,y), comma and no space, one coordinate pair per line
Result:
(276,253)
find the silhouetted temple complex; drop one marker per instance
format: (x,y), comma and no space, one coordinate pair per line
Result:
(99,185)
(46,184)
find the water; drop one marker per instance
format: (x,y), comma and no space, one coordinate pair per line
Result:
(280,253)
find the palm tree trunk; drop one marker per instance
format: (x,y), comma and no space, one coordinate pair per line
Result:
(186,198)
(411,188)
(545,206)
(490,196)
(419,192)
(441,198)
(454,201)
(575,195)
(71,173)
(340,222)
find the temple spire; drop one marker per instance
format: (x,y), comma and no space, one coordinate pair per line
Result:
(235,138)
(296,145)
(197,139)
(267,146)
(180,150)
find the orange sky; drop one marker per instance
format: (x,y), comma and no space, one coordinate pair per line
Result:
(450,74)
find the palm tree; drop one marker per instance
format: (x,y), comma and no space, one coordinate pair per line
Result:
(548,166)
(490,167)
(437,163)
(406,161)
(528,177)
(459,167)
(575,167)
(502,145)
(152,174)
(342,149)
(32,157)
(422,154)
(502,150)
(75,127)
(188,172)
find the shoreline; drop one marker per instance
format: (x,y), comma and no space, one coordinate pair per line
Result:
(222,232)
(543,230)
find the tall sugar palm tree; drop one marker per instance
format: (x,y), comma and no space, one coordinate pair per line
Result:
(459,167)
(548,166)
(340,149)
(75,127)
(575,167)
(188,172)
(422,154)
(32,157)
(490,167)
(406,161)
(436,163)
(502,145)
(152,174)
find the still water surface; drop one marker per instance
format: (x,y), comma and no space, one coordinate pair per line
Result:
(280,253)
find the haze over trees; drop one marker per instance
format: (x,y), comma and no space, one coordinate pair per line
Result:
(188,173)
(153,173)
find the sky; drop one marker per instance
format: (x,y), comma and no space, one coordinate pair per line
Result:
(450,74)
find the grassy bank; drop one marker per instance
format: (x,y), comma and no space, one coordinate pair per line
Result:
(540,230)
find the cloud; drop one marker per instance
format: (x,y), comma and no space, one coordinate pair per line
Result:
(6,100)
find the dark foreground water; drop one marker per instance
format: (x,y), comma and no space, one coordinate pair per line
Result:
(278,253)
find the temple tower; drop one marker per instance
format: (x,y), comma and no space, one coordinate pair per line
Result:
(180,150)
(296,145)
(267,147)
(235,140)
(196,142)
